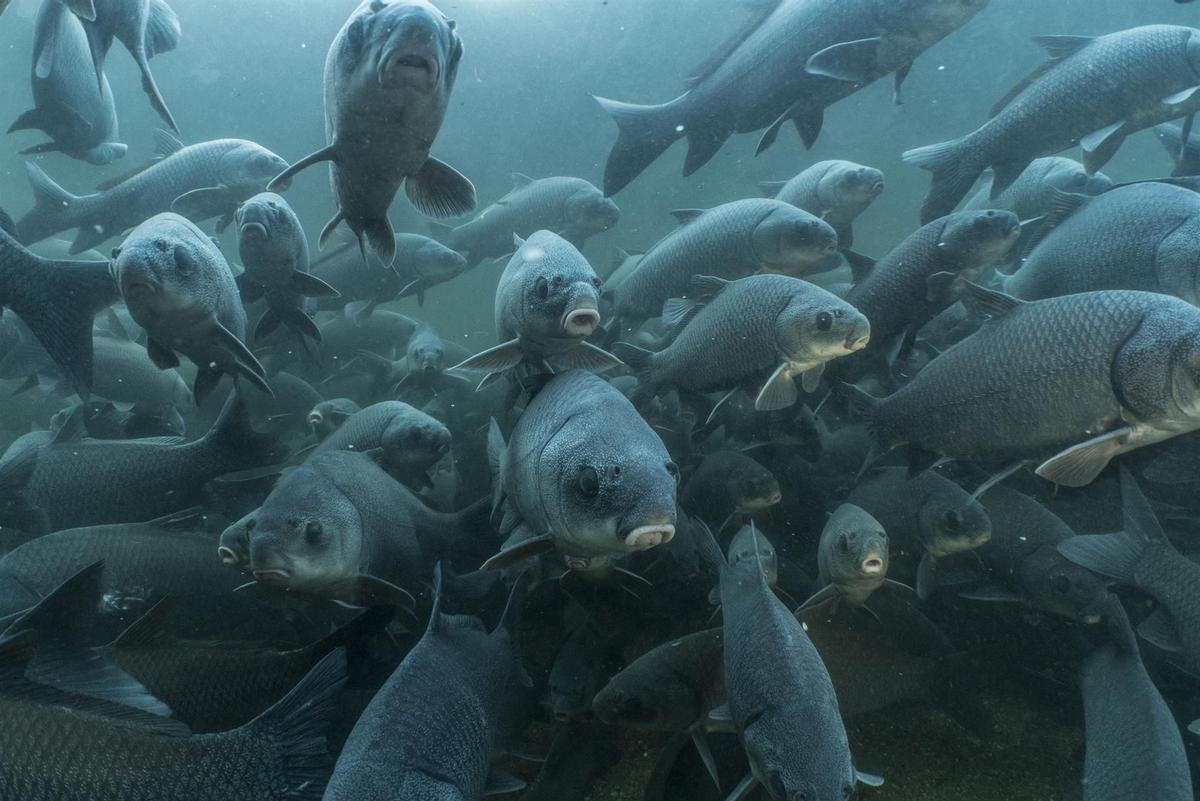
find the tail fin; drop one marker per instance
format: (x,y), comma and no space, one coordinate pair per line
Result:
(58,301)
(1117,555)
(236,442)
(52,211)
(953,176)
(644,133)
(381,238)
(296,727)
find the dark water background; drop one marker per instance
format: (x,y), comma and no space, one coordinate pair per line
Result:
(252,69)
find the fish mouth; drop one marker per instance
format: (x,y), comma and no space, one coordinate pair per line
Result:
(1091,620)
(645,537)
(876,189)
(256,228)
(399,68)
(227,555)
(271,575)
(582,321)
(857,340)
(315,419)
(872,566)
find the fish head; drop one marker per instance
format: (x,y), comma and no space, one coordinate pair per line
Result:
(1064,175)
(1185,374)
(561,292)
(754,489)
(417,441)
(247,168)
(425,355)
(437,263)
(589,211)
(657,700)
(1055,584)
(976,240)
(163,269)
(306,534)
(854,546)
(790,241)
(950,522)
(259,217)
(327,416)
(750,548)
(850,184)
(815,327)
(407,46)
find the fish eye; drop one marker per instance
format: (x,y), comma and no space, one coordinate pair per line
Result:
(589,482)
(673,469)
(824,321)
(952,519)
(1060,584)
(542,288)
(250,524)
(596,282)
(312,532)
(843,545)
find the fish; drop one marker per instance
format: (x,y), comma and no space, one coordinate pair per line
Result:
(547,305)
(927,272)
(388,78)
(69,106)
(852,557)
(780,698)
(761,331)
(147,28)
(280,755)
(199,181)
(726,486)
(1140,555)
(274,253)
(421,263)
(836,191)
(1075,365)
(329,415)
(925,514)
(406,441)
(790,61)
(1035,190)
(425,360)
(1132,745)
(446,750)
(573,208)
(179,287)
(581,474)
(1185,156)
(75,481)
(1093,91)
(577,674)
(103,420)
(338,526)
(1139,236)
(729,241)
(58,301)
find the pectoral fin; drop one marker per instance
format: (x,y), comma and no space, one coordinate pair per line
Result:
(779,392)
(1079,465)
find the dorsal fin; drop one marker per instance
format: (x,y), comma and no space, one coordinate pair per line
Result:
(166,143)
(991,302)
(1060,47)
(521,180)
(685,216)
(759,11)
(707,286)
(73,428)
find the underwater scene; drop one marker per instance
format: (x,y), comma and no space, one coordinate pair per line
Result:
(599,400)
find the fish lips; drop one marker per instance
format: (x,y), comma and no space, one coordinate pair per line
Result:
(644,537)
(582,320)
(404,67)
(255,229)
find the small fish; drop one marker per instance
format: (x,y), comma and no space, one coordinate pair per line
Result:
(835,191)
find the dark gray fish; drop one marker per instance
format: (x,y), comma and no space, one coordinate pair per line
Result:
(852,557)
(547,305)
(146,27)
(274,252)
(179,287)
(1142,236)
(1184,156)
(338,526)
(1034,191)
(1094,92)
(928,272)
(790,62)
(421,263)
(577,674)
(68,748)
(1142,556)
(198,181)
(1133,746)
(1074,381)
(103,420)
(760,331)
(835,191)
(329,415)
(926,516)
(730,241)
(388,78)
(426,358)
(58,301)
(69,105)
(445,748)
(582,474)
(81,482)
(405,441)
(570,207)
(726,486)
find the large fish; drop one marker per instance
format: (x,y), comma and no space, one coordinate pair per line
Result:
(1143,236)
(405,441)
(1074,381)
(1094,92)
(198,181)
(764,330)
(420,264)
(69,106)
(730,241)
(835,191)
(388,78)
(571,207)
(790,62)
(179,287)
(58,301)
(1036,189)
(584,474)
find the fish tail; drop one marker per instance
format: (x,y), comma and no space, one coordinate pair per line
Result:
(644,133)
(296,727)
(954,173)
(1118,555)
(379,235)
(53,207)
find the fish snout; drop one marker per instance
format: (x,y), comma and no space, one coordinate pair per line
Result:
(315,418)
(582,319)
(648,536)
(873,566)
(252,229)
(859,335)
